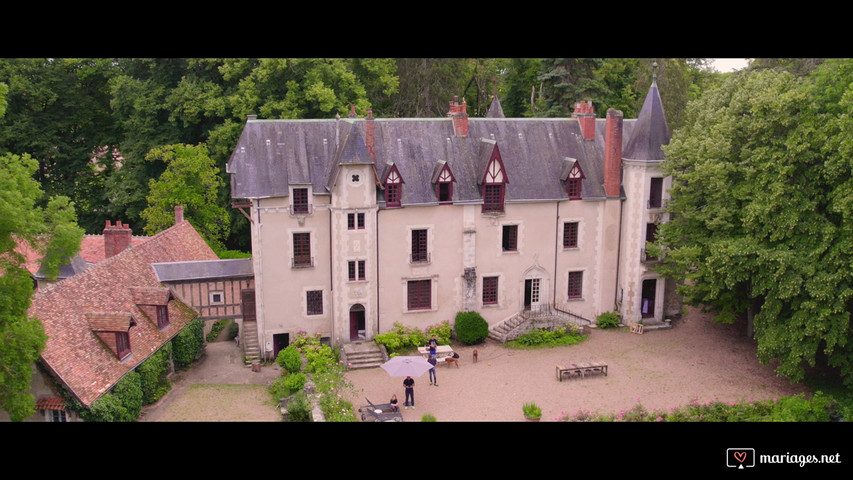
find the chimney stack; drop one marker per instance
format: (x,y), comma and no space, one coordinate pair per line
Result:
(369,133)
(585,114)
(179,214)
(613,153)
(116,238)
(459,115)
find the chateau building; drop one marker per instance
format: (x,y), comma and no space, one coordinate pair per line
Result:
(361,223)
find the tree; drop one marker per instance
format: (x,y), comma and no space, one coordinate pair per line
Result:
(762,217)
(192,181)
(22,339)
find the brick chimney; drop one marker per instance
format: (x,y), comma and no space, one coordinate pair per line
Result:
(613,153)
(459,114)
(369,133)
(179,214)
(116,238)
(585,114)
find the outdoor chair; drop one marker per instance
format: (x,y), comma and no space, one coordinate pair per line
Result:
(380,413)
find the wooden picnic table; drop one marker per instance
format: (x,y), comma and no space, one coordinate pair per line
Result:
(441,351)
(581,369)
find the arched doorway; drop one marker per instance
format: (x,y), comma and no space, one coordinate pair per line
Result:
(356,323)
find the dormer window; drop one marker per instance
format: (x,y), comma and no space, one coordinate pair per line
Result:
(113,329)
(300,201)
(393,187)
(574,182)
(162,316)
(443,180)
(494,185)
(122,345)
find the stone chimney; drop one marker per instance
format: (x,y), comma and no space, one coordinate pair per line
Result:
(179,214)
(116,238)
(613,153)
(370,135)
(459,114)
(586,119)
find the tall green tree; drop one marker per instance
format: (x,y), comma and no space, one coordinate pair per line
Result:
(192,181)
(566,81)
(53,231)
(58,112)
(762,221)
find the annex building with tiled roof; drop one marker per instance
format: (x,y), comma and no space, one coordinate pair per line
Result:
(105,321)
(361,223)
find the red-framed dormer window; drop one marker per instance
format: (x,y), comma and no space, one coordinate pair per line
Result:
(444,185)
(494,185)
(300,200)
(162,316)
(393,188)
(574,182)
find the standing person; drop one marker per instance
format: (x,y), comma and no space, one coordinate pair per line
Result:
(433,344)
(409,384)
(433,378)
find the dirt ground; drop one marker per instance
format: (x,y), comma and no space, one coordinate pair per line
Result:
(695,360)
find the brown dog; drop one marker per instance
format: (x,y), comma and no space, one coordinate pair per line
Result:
(449,360)
(475,355)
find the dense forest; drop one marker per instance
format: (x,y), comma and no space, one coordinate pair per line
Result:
(103,130)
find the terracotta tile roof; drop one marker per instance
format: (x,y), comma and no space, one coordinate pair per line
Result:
(92,247)
(103,294)
(50,403)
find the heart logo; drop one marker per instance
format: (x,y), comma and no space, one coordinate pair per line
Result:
(740,456)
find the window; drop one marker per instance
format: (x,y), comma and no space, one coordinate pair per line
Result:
(493,198)
(445,192)
(301,249)
(490,290)
(314,299)
(575,284)
(420,252)
(162,316)
(651,236)
(122,345)
(392,195)
(356,270)
(355,221)
(656,193)
(570,235)
(300,200)
(509,240)
(217,298)
(574,181)
(57,416)
(393,187)
(419,294)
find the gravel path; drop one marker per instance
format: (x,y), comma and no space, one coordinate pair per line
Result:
(695,360)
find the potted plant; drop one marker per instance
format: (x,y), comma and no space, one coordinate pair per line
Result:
(532,412)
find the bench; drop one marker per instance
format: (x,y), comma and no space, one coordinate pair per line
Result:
(581,369)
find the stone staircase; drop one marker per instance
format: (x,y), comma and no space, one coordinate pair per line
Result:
(541,316)
(249,342)
(365,354)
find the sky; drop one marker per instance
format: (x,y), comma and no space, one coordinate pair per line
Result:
(728,64)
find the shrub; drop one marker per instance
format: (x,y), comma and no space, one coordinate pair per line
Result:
(299,408)
(471,328)
(188,345)
(233,330)
(541,337)
(289,359)
(153,375)
(428,417)
(122,404)
(608,320)
(295,381)
(531,410)
(216,329)
(278,388)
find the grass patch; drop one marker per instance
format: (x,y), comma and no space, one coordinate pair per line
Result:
(223,403)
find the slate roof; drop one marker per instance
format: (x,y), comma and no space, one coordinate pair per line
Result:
(201,270)
(534,152)
(102,298)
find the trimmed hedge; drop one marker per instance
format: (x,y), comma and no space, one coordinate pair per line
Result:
(471,328)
